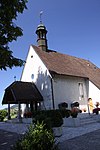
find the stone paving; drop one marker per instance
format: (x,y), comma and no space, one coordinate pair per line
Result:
(19,128)
(71,138)
(71,132)
(68,132)
(8,139)
(89,141)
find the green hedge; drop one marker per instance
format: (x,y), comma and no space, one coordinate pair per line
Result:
(65,113)
(52,118)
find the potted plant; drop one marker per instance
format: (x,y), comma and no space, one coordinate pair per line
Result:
(63,105)
(84,109)
(27,117)
(74,112)
(97,104)
(97,109)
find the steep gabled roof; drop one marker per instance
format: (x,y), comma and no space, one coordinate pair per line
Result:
(68,65)
(22,92)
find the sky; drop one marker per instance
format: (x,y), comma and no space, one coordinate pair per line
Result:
(73,28)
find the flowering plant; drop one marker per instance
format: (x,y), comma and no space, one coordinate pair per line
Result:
(97,104)
(84,109)
(74,112)
(28,114)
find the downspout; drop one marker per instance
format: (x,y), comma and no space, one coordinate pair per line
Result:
(53,104)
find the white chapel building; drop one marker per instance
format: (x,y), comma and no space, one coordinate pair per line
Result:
(60,77)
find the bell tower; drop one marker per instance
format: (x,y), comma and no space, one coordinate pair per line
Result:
(41,35)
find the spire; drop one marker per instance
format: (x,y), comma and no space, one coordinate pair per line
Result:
(41,35)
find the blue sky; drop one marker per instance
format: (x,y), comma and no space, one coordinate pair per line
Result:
(73,28)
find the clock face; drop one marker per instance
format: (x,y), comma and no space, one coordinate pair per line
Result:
(32,76)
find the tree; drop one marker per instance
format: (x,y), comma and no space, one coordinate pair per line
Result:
(9,31)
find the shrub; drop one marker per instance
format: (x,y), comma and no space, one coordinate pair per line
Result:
(3,114)
(42,118)
(37,138)
(65,113)
(54,117)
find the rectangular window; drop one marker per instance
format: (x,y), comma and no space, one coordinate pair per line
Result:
(81,91)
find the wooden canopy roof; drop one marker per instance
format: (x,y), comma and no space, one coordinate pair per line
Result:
(22,92)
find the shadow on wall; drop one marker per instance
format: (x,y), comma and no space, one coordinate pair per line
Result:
(43,84)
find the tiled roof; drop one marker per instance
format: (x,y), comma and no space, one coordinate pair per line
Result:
(21,92)
(68,65)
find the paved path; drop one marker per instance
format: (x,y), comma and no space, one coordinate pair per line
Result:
(89,141)
(86,137)
(7,139)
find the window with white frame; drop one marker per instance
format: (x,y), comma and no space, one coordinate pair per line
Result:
(81,91)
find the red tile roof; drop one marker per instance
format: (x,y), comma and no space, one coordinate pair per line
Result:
(68,65)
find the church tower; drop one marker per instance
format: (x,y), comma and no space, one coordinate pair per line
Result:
(41,36)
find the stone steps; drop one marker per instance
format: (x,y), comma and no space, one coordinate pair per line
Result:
(88,119)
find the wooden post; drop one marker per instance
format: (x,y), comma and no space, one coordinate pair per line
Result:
(19,112)
(27,107)
(9,117)
(31,106)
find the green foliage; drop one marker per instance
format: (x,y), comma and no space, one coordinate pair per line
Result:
(56,118)
(13,113)
(65,113)
(9,31)
(43,118)
(52,118)
(37,138)
(3,114)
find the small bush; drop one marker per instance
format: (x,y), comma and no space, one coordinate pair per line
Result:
(3,114)
(42,118)
(53,116)
(56,118)
(65,113)
(37,138)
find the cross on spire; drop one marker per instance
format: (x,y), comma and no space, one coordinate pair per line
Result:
(41,12)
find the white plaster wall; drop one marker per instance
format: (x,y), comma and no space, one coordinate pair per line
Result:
(42,78)
(94,93)
(66,90)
